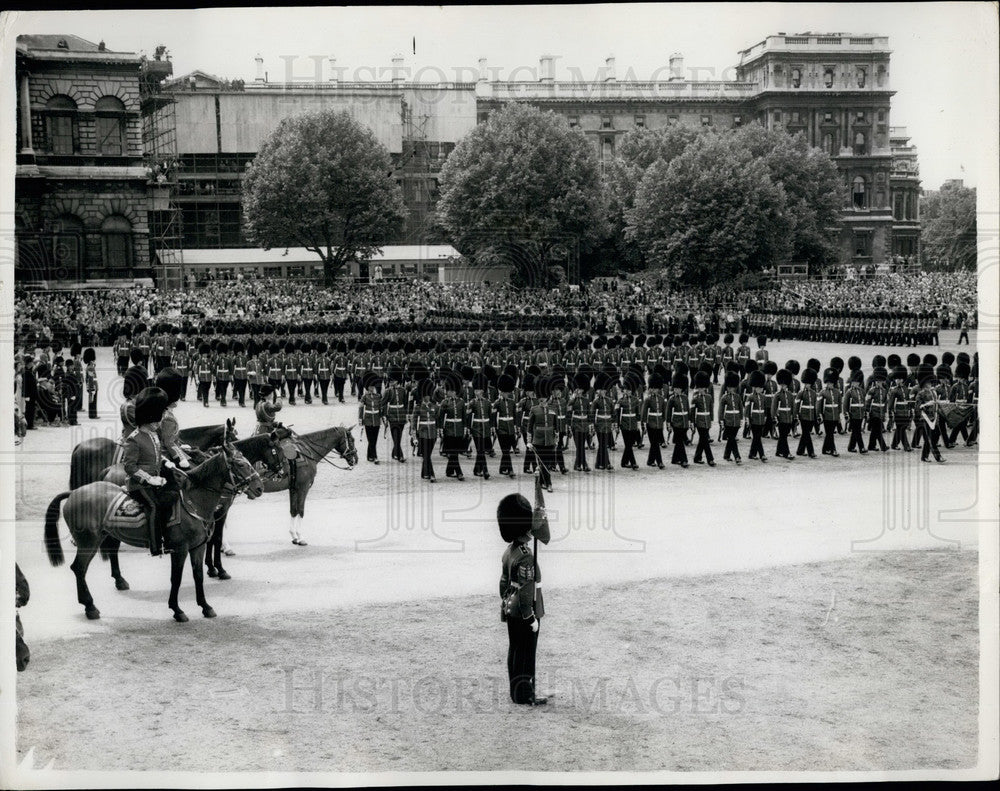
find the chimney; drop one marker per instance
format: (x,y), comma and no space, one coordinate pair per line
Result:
(546,68)
(609,69)
(260,68)
(676,67)
(482,70)
(397,69)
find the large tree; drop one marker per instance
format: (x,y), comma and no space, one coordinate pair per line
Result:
(322,181)
(522,189)
(712,213)
(948,233)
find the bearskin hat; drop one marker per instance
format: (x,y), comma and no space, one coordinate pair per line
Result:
(761,341)
(943,372)
(878,361)
(751,366)
(180,346)
(150,404)
(370,379)
(136,356)
(171,381)
(732,379)
(837,364)
(962,370)
(784,377)
(89,355)
(239,347)
(640,340)
(655,381)
(712,338)
(913,359)
(528,383)
(135,382)
(702,380)
(75,350)
(857,376)
(632,381)
(757,379)
(925,374)
(679,381)
(947,358)
(450,380)
(479,381)
(744,338)
(514,515)
(963,357)
(814,364)
(880,374)
(581,380)
(395,374)
(809,377)
(614,341)
(652,341)
(557,383)
(899,372)
(893,360)
(793,367)
(506,384)
(705,366)
(770,368)
(854,363)
(830,376)
(930,359)
(426,388)
(601,342)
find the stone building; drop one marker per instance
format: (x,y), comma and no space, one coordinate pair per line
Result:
(80,189)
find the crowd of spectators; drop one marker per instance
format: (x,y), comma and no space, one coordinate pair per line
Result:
(644,304)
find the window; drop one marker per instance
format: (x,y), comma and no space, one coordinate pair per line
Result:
(828,77)
(777,116)
(795,118)
(738,120)
(861,75)
(796,78)
(881,115)
(828,143)
(607,148)
(828,117)
(640,122)
(574,122)
(110,117)
(859,195)
(272,271)
(62,125)
(860,144)
(116,242)
(862,244)
(706,120)
(672,120)
(606,122)
(859,116)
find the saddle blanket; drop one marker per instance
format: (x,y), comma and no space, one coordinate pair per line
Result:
(125,519)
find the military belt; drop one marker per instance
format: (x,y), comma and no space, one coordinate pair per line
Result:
(628,414)
(650,414)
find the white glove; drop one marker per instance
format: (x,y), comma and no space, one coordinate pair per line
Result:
(185,464)
(534,624)
(157,480)
(529,446)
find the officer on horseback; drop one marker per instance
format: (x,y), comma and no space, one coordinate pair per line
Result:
(266,423)
(142,459)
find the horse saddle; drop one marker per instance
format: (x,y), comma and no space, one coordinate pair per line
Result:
(126,514)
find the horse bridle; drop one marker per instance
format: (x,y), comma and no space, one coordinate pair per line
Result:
(322,456)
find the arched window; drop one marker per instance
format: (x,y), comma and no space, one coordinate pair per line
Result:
(859,195)
(860,147)
(61,125)
(828,143)
(67,247)
(110,115)
(796,78)
(861,75)
(828,78)
(116,243)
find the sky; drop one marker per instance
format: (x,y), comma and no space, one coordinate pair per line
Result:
(944,55)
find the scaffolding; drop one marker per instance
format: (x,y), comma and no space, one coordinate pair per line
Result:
(159,143)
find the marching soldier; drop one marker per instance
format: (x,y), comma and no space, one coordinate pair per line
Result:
(899,408)
(731,414)
(783,413)
(701,416)
(307,371)
(627,417)
(275,371)
(324,372)
(481,422)
(579,418)
(255,376)
(505,413)
(369,413)
(292,374)
(926,407)
(652,418)
(770,368)
(602,419)
(204,368)
(240,372)
(959,393)
(526,405)
(180,361)
(828,406)
(543,432)
(756,414)
(121,349)
(678,418)
(394,403)
(452,421)
(223,371)
(559,407)
(854,409)
(424,424)
(743,352)
(876,409)
(807,408)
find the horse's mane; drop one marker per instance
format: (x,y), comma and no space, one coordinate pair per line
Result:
(197,475)
(257,442)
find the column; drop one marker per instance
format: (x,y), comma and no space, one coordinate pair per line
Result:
(26,147)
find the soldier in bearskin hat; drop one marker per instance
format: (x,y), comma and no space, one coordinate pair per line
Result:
(627,414)
(578,413)
(481,423)
(543,431)
(876,401)
(121,351)
(240,372)
(142,459)
(90,376)
(701,416)
(180,361)
(527,403)
(899,408)
(521,606)
(370,412)
(453,422)
(203,370)
(425,426)
(651,416)
(602,419)
(223,367)
(307,370)
(293,364)
(926,407)
(807,409)
(274,370)
(394,404)
(854,408)
(828,406)
(783,412)
(506,416)
(756,414)
(678,417)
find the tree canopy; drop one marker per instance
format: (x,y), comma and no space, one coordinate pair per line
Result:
(522,188)
(948,233)
(322,181)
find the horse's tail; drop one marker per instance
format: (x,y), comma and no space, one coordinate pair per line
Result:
(52,544)
(77,473)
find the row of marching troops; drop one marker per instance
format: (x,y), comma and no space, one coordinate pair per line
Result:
(53,385)
(879,328)
(466,405)
(306,368)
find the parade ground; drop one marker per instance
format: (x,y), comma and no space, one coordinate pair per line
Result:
(815,614)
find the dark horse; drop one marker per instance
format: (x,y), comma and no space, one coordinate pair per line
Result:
(201,489)
(312,448)
(92,457)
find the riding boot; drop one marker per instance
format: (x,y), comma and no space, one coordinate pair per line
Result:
(155,531)
(163,527)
